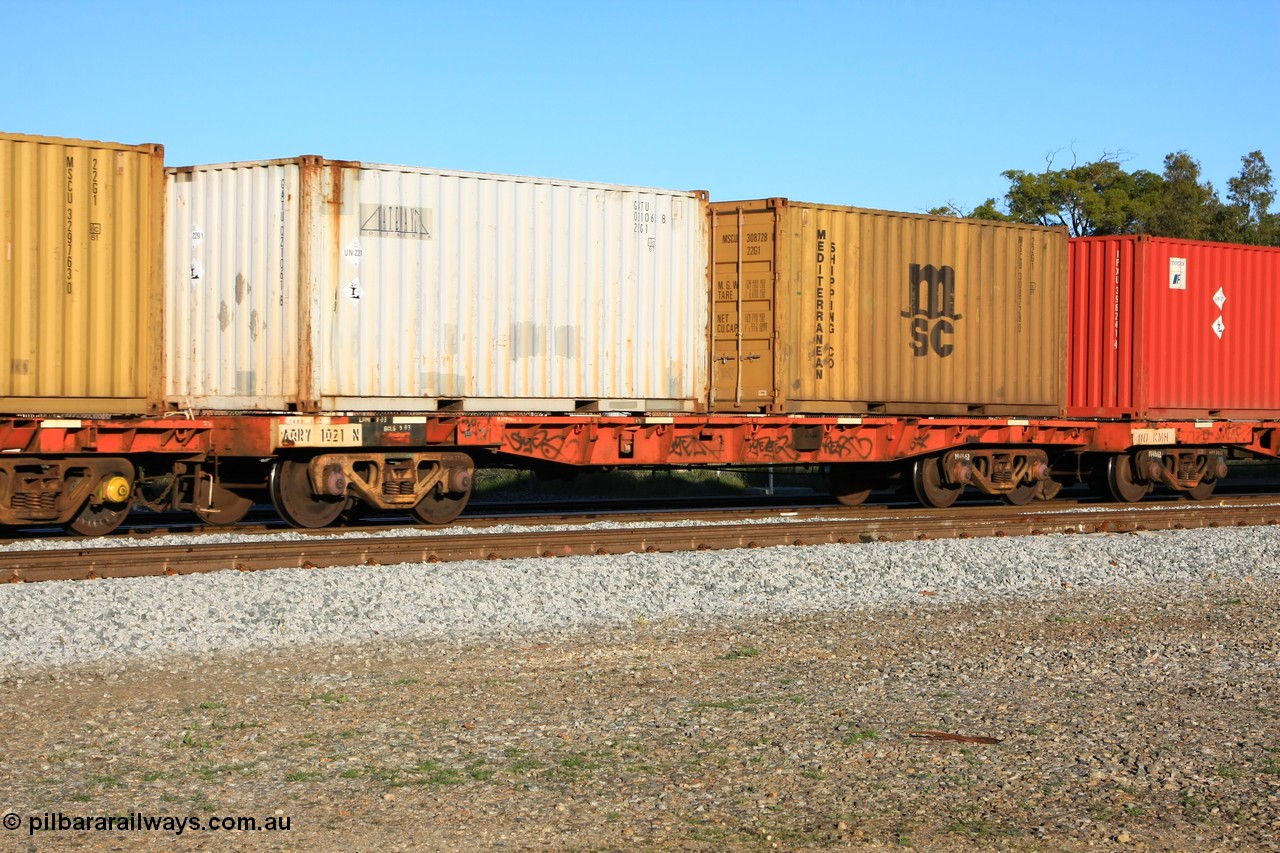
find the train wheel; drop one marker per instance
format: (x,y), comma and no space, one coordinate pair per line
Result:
(846,486)
(926,478)
(97,520)
(440,508)
(1120,480)
(290,488)
(104,511)
(219,506)
(1202,490)
(1022,494)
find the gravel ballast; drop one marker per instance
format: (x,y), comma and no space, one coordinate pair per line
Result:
(74,622)
(1109,692)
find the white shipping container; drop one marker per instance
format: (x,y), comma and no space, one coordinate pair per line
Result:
(323,285)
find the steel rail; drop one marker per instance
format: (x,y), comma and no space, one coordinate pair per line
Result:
(141,527)
(872,526)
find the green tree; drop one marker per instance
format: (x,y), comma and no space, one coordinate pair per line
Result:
(1101,198)
(1184,206)
(1246,218)
(1092,198)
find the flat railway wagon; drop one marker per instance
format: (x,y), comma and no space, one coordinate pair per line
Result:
(339,336)
(888,347)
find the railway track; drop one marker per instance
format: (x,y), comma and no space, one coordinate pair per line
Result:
(263,520)
(862,525)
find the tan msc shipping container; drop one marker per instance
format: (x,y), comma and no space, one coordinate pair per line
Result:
(80,276)
(846,310)
(310,284)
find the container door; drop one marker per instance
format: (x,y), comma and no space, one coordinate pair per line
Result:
(745,263)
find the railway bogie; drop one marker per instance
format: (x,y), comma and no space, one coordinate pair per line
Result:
(1014,474)
(318,490)
(86,494)
(1129,476)
(1193,472)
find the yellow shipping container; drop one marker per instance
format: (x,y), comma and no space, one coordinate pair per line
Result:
(80,276)
(846,310)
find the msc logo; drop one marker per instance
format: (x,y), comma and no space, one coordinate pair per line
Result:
(931,308)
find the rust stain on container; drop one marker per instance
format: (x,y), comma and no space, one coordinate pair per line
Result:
(404,288)
(81,222)
(819,308)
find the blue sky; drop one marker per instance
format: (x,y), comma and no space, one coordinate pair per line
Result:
(898,105)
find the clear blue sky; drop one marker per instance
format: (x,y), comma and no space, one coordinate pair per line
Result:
(899,105)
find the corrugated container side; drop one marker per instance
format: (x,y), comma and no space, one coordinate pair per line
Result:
(80,286)
(231,249)
(1173,328)
(897,312)
(1099,322)
(419,289)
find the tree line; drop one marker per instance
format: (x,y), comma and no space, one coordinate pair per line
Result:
(1102,198)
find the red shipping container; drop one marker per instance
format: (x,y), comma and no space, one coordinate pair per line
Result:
(1162,328)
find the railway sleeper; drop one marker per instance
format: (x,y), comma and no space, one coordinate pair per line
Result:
(90,495)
